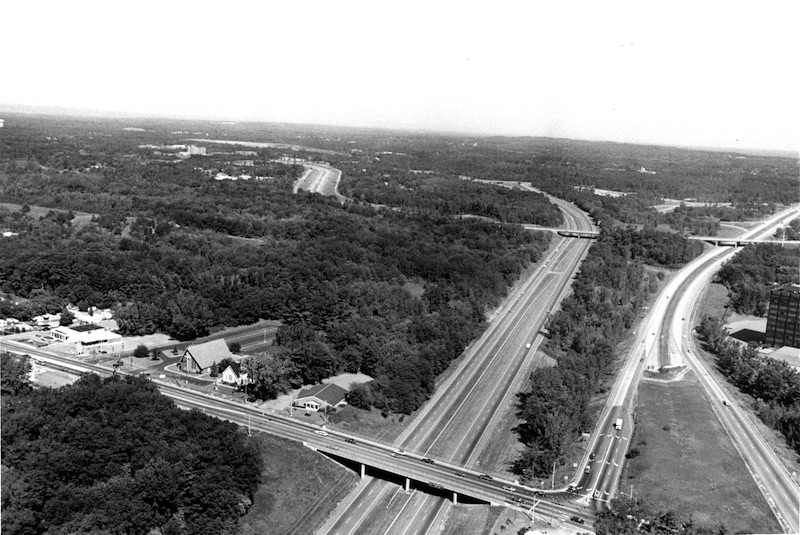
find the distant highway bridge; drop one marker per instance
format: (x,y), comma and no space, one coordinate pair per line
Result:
(713,240)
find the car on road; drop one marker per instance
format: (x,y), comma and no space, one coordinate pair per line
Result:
(485,477)
(321,433)
(509,489)
(577,519)
(587,470)
(350,440)
(726,402)
(460,474)
(428,460)
(399,452)
(527,346)
(592,456)
(598,493)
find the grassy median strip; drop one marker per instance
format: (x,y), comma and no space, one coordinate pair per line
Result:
(682,458)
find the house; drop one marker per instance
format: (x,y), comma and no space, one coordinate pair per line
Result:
(47,320)
(321,397)
(199,358)
(234,375)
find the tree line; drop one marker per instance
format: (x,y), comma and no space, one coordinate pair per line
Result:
(608,293)
(773,384)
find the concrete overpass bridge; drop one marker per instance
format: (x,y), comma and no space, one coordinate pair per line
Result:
(713,240)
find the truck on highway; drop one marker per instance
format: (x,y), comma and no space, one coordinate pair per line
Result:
(618,424)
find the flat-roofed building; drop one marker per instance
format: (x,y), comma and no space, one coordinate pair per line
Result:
(87,336)
(783,327)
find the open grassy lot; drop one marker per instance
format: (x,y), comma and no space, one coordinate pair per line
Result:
(688,463)
(299,489)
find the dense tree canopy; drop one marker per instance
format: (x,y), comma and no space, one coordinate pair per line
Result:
(754,271)
(115,456)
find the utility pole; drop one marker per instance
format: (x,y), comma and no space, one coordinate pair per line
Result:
(553,482)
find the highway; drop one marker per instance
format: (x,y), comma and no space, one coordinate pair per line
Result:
(664,340)
(456,424)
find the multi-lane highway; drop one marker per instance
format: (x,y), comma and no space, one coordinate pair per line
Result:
(463,415)
(664,340)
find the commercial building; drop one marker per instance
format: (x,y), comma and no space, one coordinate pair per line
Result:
(783,327)
(88,336)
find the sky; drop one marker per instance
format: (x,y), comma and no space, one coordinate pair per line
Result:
(705,74)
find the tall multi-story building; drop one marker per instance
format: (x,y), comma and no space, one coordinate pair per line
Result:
(783,318)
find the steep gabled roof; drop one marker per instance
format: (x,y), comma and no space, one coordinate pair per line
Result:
(329,393)
(236,367)
(207,354)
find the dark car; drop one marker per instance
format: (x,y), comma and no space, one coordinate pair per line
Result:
(350,440)
(485,477)
(592,456)
(577,519)
(428,461)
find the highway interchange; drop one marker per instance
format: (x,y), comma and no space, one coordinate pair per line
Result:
(444,442)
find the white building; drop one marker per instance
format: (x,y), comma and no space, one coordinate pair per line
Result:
(88,336)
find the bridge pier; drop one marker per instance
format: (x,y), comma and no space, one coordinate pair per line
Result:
(363,470)
(407,486)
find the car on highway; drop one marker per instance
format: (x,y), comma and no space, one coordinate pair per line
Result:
(460,474)
(428,460)
(509,489)
(485,477)
(577,519)
(726,402)
(527,346)
(350,440)
(592,456)
(321,433)
(587,470)
(597,494)
(398,452)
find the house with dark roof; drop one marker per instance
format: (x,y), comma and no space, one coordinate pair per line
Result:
(321,397)
(199,358)
(234,375)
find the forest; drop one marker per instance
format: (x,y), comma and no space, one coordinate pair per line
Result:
(754,271)
(114,456)
(608,293)
(395,294)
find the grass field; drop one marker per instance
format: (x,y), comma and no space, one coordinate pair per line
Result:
(688,463)
(299,489)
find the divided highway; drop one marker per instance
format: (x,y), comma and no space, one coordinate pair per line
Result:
(664,340)
(461,418)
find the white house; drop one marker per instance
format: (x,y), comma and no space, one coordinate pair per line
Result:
(234,375)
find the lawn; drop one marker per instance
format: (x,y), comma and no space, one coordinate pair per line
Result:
(299,489)
(687,462)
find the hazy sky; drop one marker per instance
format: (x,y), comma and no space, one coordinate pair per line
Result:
(719,74)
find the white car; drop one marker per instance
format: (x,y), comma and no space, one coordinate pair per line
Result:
(321,433)
(527,346)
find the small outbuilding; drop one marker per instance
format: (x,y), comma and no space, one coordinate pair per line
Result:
(321,397)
